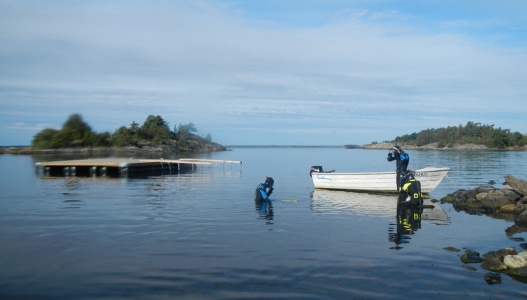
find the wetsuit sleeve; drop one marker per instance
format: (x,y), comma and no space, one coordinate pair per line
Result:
(260,193)
(263,194)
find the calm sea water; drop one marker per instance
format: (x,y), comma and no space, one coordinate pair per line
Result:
(200,235)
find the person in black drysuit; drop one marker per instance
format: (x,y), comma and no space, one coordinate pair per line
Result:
(261,199)
(264,190)
(402,159)
(410,193)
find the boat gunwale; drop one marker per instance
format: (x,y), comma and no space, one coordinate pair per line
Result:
(427,169)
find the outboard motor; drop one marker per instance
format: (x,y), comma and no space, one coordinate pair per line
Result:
(316,169)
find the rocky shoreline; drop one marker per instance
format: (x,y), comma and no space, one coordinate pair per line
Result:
(508,202)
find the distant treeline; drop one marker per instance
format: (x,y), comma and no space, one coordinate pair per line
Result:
(154,132)
(472,133)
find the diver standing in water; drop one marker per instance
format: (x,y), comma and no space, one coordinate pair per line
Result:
(262,202)
(410,192)
(402,159)
(264,190)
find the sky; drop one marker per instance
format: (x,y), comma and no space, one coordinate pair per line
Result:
(312,72)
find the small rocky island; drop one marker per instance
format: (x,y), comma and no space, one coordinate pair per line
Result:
(76,136)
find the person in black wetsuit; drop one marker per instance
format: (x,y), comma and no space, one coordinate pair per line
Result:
(264,190)
(402,159)
(410,193)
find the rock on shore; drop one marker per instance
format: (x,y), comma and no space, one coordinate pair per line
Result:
(507,261)
(508,200)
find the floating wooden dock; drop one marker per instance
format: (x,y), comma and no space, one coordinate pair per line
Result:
(123,167)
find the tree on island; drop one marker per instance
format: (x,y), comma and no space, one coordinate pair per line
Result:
(74,133)
(155,131)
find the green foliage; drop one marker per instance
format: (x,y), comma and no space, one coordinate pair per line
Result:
(184,133)
(74,133)
(471,133)
(123,137)
(155,131)
(186,129)
(44,139)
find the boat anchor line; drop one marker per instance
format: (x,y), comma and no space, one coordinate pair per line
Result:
(450,179)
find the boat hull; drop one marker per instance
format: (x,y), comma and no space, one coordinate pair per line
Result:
(377,182)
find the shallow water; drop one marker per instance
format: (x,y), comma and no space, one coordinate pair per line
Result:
(200,235)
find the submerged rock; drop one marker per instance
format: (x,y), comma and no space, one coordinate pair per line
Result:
(499,254)
(494,265)
(452,249)
(519,274)
(470,268)
(514,229)
(471,257)
(493,260)
(492,278)
(521,220)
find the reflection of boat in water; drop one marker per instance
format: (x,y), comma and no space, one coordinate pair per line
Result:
(384,205)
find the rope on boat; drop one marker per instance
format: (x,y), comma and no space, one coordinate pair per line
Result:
(451,181)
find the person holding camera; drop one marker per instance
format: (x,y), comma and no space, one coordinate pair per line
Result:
(402,159)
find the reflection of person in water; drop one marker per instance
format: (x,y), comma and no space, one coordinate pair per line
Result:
(265,210)
(262,202)
(408,221)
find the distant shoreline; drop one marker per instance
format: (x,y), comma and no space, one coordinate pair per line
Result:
(433,146)
(129,149)
(165,149)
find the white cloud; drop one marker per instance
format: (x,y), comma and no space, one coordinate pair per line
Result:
(117,62)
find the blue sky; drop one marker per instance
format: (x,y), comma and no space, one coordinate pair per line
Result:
(248,72)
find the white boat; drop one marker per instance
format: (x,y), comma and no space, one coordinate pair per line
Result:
(377,182)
